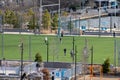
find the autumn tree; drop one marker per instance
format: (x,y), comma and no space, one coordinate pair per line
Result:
(1,13)
(28,15)
(33,23)
(46,74)
(10,18)
(55,22)
(46,20)
(31,18)
(1,17)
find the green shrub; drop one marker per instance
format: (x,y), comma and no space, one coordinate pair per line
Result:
(38,58)
(106,66)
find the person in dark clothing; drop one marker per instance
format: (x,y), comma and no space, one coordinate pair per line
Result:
(65,51)
(60,40)
(114,34)
(52,75)
(23,76)
(62,34)
(72,54)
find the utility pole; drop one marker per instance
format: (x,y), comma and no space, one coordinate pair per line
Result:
(99,17)
(115,54)
(59,24)
(40,18)
(47,43)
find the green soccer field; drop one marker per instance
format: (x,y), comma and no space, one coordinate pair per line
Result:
(103,47)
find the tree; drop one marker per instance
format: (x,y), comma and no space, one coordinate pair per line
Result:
(1,12)
(10,18)
(46,20)
(55,22)
(31,19)
(106,66)
(17,20)
(2,17)
(46,75)
(28,15)
(33,23)
(38,58)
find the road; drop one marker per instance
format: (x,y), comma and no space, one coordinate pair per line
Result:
(100,78)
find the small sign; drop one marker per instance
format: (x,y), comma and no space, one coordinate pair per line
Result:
(104,28)
(83,27)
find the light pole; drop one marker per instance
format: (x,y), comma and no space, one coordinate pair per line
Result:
(79,27)
(85,57)
(115,54)
(2,36)
(40,16)
(30,56)
(2,43)
(59,23)
(73,48)
(75,62)
(74,56)
(91,68)
(115,17)
(84,62)
(21,48)
(111,23)
(115,42)
(47,43)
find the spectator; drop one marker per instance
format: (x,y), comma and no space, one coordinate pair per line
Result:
(23,76)
(52,75)
(62,34)
(114,34)
(60,40)
(65,51)
(72,54)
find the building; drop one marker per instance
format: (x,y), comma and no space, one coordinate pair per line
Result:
(109,3)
